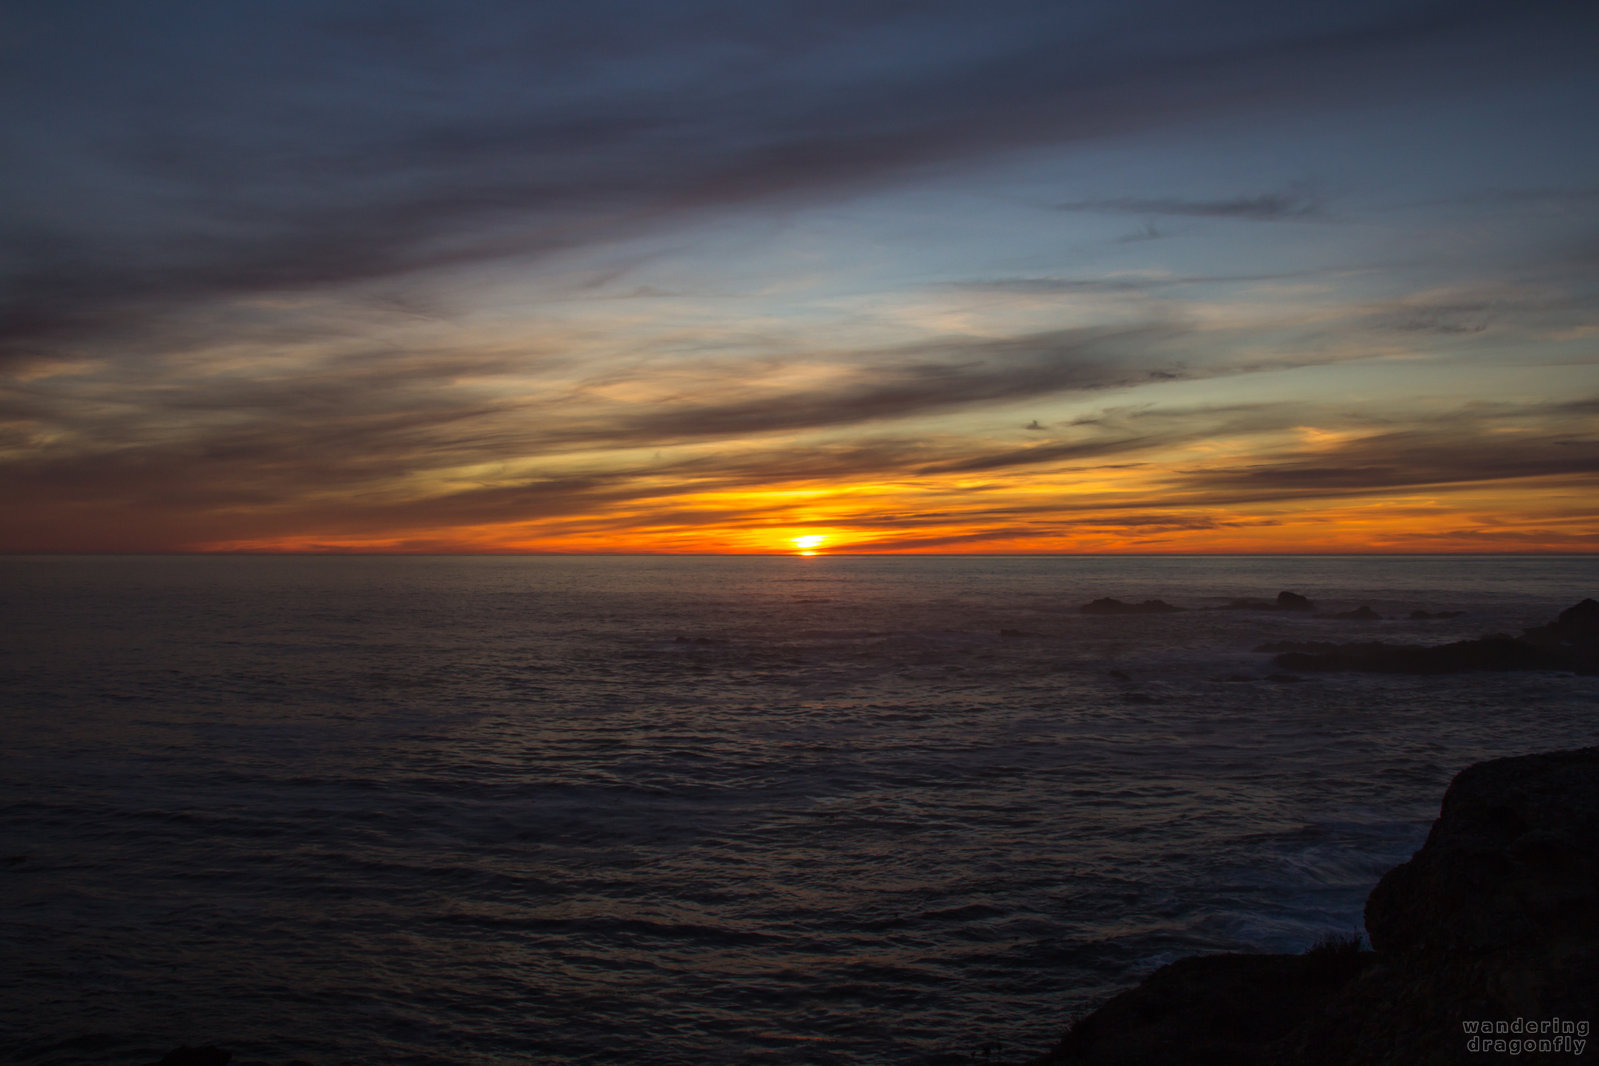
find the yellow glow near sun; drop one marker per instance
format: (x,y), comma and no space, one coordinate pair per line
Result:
(807,543)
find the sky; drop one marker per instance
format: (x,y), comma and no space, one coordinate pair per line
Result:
(762,277)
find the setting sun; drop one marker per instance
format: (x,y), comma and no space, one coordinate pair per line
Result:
(808,544)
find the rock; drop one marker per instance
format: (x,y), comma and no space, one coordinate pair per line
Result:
(1422,616)
(1512,859)
(1362,613)
(1580,620)
(1215,1010)
(1495,919)
(1570,642)
(1574,632)
(1107,605)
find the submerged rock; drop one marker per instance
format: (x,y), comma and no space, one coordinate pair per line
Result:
(1106,605)
(1293,601)
(1495,919)
(1570,642)
(1363,613)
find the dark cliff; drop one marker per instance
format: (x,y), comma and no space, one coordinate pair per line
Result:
(1495,919)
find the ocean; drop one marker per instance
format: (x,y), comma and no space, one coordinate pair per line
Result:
(829,809)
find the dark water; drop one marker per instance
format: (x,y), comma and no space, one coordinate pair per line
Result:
(494,810)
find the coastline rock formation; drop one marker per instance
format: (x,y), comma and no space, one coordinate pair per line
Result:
(1486,950)
(1575,631)
(1209,1010)
(1570,642)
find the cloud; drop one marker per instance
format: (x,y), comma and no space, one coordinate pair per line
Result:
(1462,452)
(318,154)
(923,379)
(1074,451)
(1475,309)
(311,268)
(1297,203)
(374,438)
(381,433)
(1125,284)
(256,487)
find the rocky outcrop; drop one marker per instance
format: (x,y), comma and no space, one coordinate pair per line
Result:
(1574,633)
(1570,642)
(1210,1010)
(1495,920)
(1106,605)
(1512,859)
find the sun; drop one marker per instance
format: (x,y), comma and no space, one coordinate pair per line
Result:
(808,543)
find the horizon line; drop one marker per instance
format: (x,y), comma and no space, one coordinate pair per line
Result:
(1533,553)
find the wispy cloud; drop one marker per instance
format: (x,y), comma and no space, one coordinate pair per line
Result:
(321,275)
(1402,460)
(322,155)
(1294,204)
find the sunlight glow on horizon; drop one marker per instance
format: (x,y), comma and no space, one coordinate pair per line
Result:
(808,543)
